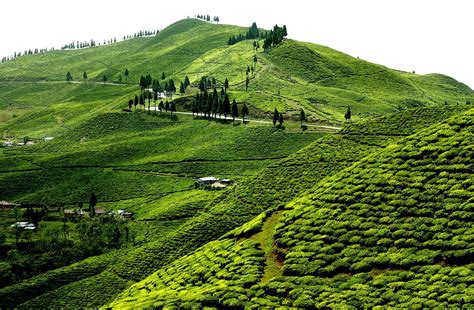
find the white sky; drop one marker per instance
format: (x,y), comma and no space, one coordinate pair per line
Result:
(422,35)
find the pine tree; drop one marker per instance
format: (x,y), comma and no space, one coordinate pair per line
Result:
(130,103)
(280,120)
(92,204)
(245,112)
(226,84)
(247,81)
(173,107)
(186,82)
(126,74)
(226,106)
(135,102)
(276,116)
(142,101)
(347,116)
(104,79)
(161,106)
(302,116)
(235,110)
(163,76)
(84,76)
(182,88)
(68,76)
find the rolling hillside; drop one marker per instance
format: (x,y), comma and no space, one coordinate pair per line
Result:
(378,213)
(405,241)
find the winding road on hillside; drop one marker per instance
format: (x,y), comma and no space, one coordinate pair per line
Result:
(253,120)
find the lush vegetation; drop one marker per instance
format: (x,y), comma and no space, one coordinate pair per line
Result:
(394,229)
(370,218)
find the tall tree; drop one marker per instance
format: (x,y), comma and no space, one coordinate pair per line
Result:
(142,102)
(161,106)
(68,76)
(280,120)
(347,116)
(172,107)
(163,76)
(226,84)
(226,106)
(186,82)
(247,83)
(126,74)
(135,102)
(92,204)
(84,76)
(167,106)
(302,116)
(245,111)
(130,103)
(104,79)
(276,115)
(235,110)
(182,89)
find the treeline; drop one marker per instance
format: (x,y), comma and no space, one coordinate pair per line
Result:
(211,104)
(252,33)
(207,18)
(271,38)
(141,34)
(27,52)
(81,44)
(275,36)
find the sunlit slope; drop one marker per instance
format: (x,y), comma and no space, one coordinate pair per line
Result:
(290,76)
(394,229)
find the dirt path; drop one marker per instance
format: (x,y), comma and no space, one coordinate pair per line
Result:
(255,120)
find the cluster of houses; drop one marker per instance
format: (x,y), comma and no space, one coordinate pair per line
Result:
(117,214)
(213,183)
(10,143)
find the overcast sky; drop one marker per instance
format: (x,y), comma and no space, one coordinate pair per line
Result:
(422,35)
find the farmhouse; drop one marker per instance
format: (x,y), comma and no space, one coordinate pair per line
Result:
(23,225)
(5,204)
(213,183)
(206,181)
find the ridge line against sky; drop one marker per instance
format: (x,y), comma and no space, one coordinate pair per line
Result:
(427,36)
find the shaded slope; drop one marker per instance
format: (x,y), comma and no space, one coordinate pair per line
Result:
(394,229)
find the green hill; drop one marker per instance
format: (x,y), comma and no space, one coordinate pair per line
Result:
(394,229)
(234,247)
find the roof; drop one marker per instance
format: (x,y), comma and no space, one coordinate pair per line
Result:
(25,225)
(207,179)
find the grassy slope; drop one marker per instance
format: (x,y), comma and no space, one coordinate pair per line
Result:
(120,152)
(394,229)
(293,75)
(291,176)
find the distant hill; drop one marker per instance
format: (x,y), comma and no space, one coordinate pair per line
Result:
(290,76)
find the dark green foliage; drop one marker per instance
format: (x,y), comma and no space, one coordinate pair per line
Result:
(276,116)
(245,111)
(68,76)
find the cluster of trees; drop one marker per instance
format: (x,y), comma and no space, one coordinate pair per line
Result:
(252,33)
(27,52)
(148,95)
(169,87)
(208,18)
(211,104)
(141,33)
(275,36)
(210,82)
(277,117)
(78,45)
